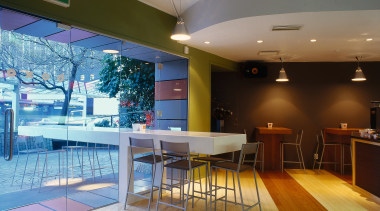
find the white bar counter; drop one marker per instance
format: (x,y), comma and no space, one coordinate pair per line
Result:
(200,142)
(209,143)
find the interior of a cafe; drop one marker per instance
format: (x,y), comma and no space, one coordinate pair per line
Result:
(189,105)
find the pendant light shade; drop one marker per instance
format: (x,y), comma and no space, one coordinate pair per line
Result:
(282,77)
(180,31)
(359,75)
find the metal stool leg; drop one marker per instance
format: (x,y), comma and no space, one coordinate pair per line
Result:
(257,188)
(298,155)
(282,157)
(233,180)
(14,172)
(109,153)
(241,195)
(320,161)
(23,175)
(129,183)
(216,185)
(303,163)
(225,192)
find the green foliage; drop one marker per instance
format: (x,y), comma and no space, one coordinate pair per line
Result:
(134,80)
(103,123)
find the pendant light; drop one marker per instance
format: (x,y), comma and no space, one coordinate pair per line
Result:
(180,31)
(282,77)
(359,75)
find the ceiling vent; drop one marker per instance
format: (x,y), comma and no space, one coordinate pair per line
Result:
(268,53)
(286,27)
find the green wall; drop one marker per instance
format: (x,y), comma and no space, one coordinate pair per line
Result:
(136,22)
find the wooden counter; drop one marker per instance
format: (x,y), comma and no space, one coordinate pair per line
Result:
(271,138)
(366,165)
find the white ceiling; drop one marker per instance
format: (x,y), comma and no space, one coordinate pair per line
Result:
(167,7)
(341,35)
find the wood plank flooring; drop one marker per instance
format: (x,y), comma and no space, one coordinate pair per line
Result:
(333,192)
(291,190)
(287,193)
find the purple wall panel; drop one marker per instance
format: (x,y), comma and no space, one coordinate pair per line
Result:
(76,34)
(11,20)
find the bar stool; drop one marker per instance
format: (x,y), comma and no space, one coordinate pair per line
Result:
(95,147)
(59,152)
(246,149)
(321,141)
(297,144)
(211,161)
(80,161)
(23,148)
(261,148)
(184,165)
(181,156)
(152,159)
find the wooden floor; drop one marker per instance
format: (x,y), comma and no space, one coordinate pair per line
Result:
(291,190)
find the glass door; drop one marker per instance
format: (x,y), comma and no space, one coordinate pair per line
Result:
(36,67)
(93,124)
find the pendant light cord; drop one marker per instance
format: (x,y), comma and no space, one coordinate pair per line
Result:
(282,62)
(358,58)
(176,9)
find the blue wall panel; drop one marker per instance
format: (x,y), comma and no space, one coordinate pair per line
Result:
(166,124)
(172,70)
(172,109)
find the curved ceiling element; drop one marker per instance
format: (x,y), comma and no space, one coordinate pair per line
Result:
(205,13)
(340,36)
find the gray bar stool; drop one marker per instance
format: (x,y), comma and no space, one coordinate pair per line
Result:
(246,149)
(45,169)
(297,144)
(152,159)
(321,141)
(184,165)
(24,148)
(211,161)
(261,149)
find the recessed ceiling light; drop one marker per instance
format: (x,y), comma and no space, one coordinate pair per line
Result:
(260,41)
(110,51)
(364,34)
(313,40)
(369,39)
(207,42)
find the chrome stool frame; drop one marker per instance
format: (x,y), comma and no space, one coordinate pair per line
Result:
(321,140)
(297,144)
(27,151)
(148,159)
(251,148)
(184,165)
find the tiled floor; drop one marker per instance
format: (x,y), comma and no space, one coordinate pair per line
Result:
(82,194)
(80,201)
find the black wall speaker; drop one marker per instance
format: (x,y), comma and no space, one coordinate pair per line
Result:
(253,69)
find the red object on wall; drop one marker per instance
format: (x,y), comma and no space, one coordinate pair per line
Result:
(171,90)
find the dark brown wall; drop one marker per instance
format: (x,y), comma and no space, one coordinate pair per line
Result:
(318,95)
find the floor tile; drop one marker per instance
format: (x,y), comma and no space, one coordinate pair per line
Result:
(59,204)
(107,192)
(32,207)
(91,199)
